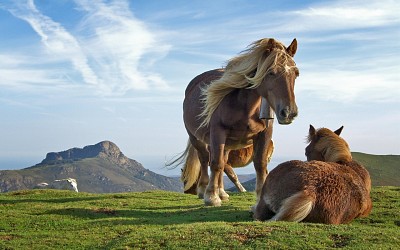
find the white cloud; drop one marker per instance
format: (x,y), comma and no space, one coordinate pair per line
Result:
(113,51)
(59,42)
(24,72)
(349,86)
(344,15)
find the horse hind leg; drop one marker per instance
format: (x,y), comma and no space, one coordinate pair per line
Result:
(203,178)
(204,158)
(195,170)
(261,211)
(233,177)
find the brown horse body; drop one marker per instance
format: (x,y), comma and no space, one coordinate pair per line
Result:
(221,113)
(333,189)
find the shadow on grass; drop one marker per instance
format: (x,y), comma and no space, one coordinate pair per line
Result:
(27,196)
(53,200)
(182,215)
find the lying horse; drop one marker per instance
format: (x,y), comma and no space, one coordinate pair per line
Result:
(330,188)
(237,158)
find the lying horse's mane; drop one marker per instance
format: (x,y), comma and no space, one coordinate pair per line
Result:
(333,147)
(246,70)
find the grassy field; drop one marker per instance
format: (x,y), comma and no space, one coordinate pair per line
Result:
(50,219)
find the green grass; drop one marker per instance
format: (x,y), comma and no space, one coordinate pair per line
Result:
(50,219)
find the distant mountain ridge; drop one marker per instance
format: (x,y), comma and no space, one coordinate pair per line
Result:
(99,168)
(104,149)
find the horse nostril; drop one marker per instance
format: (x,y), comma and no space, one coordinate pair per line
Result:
(284,113)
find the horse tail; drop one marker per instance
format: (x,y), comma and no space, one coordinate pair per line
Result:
(191,168)
(295,208)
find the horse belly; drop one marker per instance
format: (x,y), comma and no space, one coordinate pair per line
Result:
(234,144)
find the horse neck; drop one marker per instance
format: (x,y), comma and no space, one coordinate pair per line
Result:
(249,98)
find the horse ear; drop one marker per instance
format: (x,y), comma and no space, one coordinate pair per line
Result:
(291,50)
(339,130)
(311,132)
(271,44)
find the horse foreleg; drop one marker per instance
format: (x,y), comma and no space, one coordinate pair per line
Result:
(211,196)
(260,160)
(233,177)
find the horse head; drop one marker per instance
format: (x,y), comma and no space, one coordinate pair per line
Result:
(279,72)
(326,145)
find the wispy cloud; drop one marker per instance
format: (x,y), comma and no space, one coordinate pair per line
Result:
(347,15)
(350,86)
(113,51)
(119,45)
(25,72)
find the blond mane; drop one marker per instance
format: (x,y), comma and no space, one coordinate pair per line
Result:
(333,147)
(246,70)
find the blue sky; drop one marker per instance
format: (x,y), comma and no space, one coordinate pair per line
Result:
(74,73)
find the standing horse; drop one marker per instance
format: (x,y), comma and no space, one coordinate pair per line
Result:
(221,112)
(330,188)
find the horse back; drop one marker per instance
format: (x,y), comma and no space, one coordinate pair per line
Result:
(203,79)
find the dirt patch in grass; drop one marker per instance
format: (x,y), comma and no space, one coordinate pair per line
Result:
(7,237)
(339,241)
(106,211)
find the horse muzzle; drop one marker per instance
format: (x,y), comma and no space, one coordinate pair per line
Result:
(286,115)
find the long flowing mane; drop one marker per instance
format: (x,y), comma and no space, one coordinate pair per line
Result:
(333,147)
(246,70)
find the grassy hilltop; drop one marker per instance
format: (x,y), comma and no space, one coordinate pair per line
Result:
(53,219)
(384,169)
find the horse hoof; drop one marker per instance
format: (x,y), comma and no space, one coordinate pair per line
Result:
(223,195)
(200,192)
(215,202)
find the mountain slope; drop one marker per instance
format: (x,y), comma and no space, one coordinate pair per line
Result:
(99,168)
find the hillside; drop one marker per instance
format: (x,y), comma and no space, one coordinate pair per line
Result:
(54,219)
(383,169)
(99,168)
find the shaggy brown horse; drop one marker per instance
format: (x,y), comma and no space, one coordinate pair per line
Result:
(221,112)
(330,188)
(237,158)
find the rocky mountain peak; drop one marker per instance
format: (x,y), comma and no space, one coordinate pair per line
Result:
(104,149)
